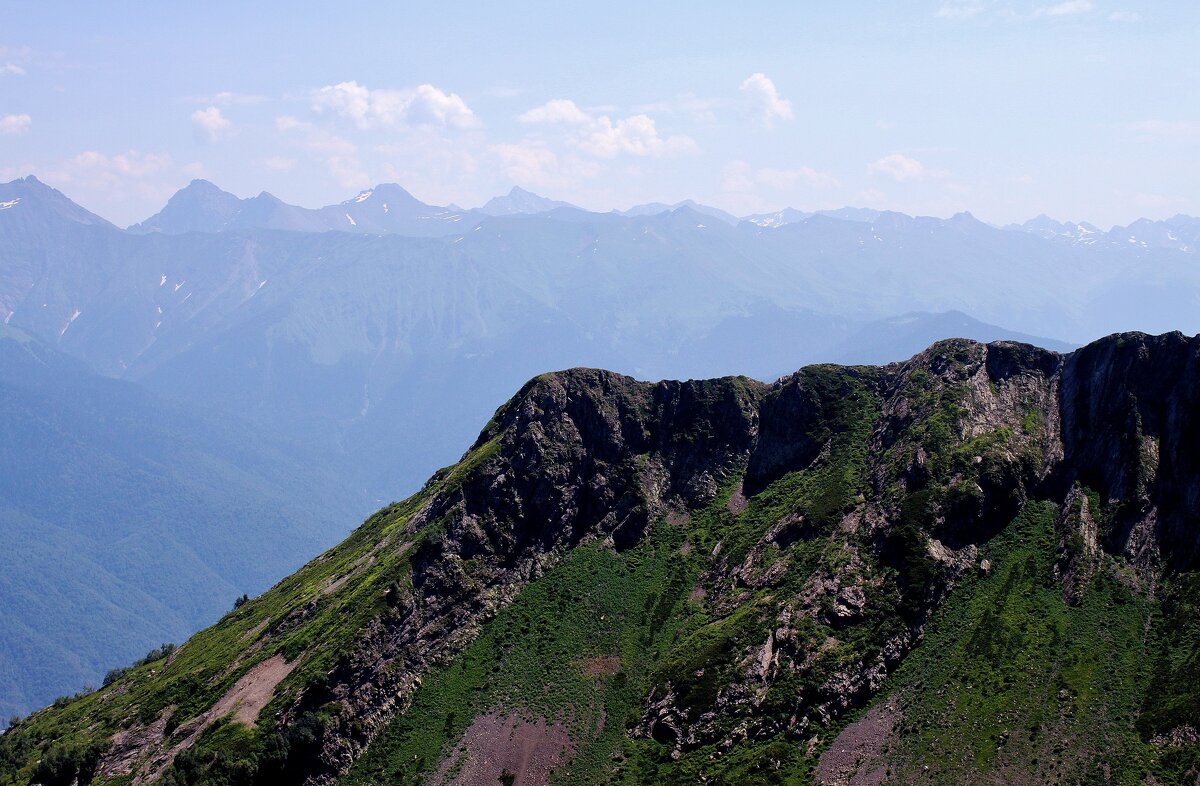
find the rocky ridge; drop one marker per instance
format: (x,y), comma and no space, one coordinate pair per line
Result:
(818,526)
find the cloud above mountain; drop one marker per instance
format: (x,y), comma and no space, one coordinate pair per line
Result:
(601,136)
(15,124)
(764,99)
(898,167)
(211,125)
(367,108)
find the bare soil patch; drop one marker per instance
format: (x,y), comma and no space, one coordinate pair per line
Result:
(858,756)
(678,518)
(253,691)
(737,500)
(601,666)
(495,744)
(245,700)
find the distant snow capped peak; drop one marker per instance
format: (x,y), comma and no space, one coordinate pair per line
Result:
(364,195)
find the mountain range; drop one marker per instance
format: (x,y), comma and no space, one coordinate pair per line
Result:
(371,339)
(975,566)
(389,208)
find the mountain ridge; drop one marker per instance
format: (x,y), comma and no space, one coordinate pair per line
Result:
(841,514)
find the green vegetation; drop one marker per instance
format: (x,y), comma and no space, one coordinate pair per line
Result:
(576,646)
(1012,679)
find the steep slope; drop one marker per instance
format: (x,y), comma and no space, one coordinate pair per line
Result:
(976,565)
(125,520)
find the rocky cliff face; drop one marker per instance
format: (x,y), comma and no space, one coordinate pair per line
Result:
(710,581)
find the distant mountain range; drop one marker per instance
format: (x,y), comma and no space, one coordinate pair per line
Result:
(388,208)
(379,334)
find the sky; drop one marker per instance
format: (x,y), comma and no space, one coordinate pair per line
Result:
(1086,110)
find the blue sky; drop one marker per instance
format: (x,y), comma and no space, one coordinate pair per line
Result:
(1083,109)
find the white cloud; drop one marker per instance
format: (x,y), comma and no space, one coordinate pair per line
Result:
(765,101)
(1124,16)
(560,110)
(15,124)
(279,163)
(11,69)
(366,108)
(636,136)
(898,167)
(209,124)
(1066,8)
(601,136)
(195,169)
(340,156)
